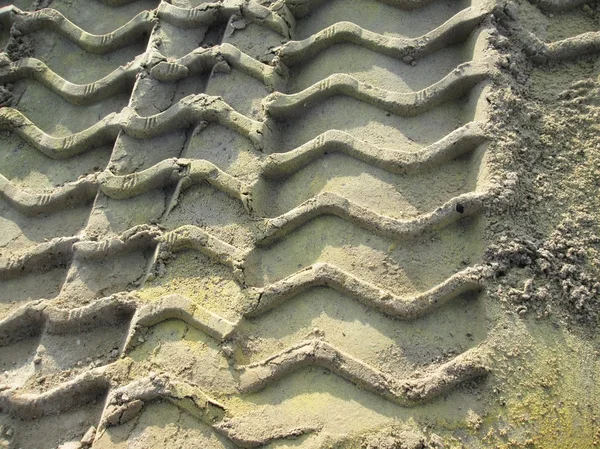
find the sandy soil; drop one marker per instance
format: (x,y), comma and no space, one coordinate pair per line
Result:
(302,223)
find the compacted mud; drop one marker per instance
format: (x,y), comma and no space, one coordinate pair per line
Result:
(299,223)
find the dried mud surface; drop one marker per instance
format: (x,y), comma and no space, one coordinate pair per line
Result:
(299,223)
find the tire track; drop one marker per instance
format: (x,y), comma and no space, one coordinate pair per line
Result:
(118,81)
(252,377)
(275,166)
(138,27)
(155,160)
(541,52)
(454,30)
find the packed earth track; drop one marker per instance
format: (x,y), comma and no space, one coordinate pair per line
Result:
(299,223)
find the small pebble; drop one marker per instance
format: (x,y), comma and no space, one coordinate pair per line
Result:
(238,24)
(89,436)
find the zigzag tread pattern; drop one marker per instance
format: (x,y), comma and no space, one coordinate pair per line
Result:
(252,378)
(136,28)
(80,94)
(259,300)
(275,166)
(406,392)
(194,109)
(462,79)
(454,30)
(126,402)
(124,395)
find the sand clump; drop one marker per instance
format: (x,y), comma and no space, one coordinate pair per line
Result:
(547,137)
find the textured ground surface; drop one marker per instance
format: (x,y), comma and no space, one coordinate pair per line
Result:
(302,223)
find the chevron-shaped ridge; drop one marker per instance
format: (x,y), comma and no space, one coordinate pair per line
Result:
(103,132)
(454,30)
(201,107)
(329,203)
(453,85)
(275,166)
(252,378)
(141,25)
(126,401)
(34,203)
(168,172)
(41,317)
(327,275)
(43,257)
(565,49)
(118,81)
(465,138)
(188,111)
(222,56)
(406,392)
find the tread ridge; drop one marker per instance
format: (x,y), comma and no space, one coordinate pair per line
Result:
(192,110)
(275,166)
(192,399)
(103,132)
(329,203)
(212,13)
(453,30)
(384,301)
(172,171)
(186,112)
(138,237)
(406,392)
(116,82)
(192,237)
(82,389)
(182,308)
(204,60)
(40,258)
(455,84)
(45,202)
(54,320)
(141,24)
(145,236)
(125,402)
(569,48)
(281,165)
